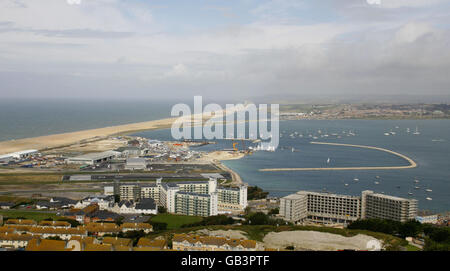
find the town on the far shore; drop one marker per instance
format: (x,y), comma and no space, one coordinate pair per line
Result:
(123,193)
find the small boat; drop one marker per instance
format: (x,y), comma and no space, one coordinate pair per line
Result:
(409,193)
(428,190)
(387,134)
(408,130)
(377,183)
(429,198)
(346,184)
(416,181)
(355,179)
(377,177)
(417,131)
(416,187)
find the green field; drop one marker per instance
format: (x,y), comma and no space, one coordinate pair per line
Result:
(176,221)
(37,216)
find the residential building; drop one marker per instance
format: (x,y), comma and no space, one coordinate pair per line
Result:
(185,242)
(202,193)
(328,208)
(382,206)
(294,207)
(194,204)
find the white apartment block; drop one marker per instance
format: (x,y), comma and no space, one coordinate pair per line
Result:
(388,207)
(165,194)
(294,207)
(330,208)
(232,198)
(193,204)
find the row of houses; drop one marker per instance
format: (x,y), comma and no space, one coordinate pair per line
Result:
(17,233)
(95,244)
(186,242)
(63,230)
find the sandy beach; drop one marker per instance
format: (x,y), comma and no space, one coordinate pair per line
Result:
(58,140)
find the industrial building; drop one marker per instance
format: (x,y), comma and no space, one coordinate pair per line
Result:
(93,158)
(327,208)
(136,164)
(5,158)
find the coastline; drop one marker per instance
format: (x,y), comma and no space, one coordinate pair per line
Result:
(64,139)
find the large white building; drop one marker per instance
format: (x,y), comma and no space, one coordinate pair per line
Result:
(18,155)
(203,198)
(330,208)
(388,207)
(93,158)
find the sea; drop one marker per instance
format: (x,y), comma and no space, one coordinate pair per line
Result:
(430,149)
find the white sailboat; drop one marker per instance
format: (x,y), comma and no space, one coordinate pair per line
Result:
(417,131)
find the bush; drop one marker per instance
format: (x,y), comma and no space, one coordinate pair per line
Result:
(162,210)
(158,226)
(254,192)
(212,220)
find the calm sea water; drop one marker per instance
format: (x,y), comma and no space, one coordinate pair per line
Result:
(31,118)
(430,149)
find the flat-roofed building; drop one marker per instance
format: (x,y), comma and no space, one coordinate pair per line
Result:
(332,208)
(382,206)
(232,199)
(294,207)
(130,191)
(24,154)
(193,204)
(325,208)
(136,164)
(93,158)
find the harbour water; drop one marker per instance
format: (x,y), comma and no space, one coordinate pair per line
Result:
(430,150)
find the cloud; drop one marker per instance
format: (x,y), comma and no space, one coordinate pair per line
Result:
(122,45)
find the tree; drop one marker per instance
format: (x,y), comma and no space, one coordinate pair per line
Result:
(158,226)
(258,219)
(162,210)
(274,211)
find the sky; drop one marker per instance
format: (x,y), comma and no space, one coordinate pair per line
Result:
(268,50)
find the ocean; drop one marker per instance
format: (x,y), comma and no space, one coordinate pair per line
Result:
(32,118)
(430,149)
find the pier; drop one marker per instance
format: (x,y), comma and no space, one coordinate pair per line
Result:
(411,162)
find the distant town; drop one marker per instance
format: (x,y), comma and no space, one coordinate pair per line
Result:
(365,111)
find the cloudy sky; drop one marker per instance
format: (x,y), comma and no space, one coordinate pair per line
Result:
(283,50)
